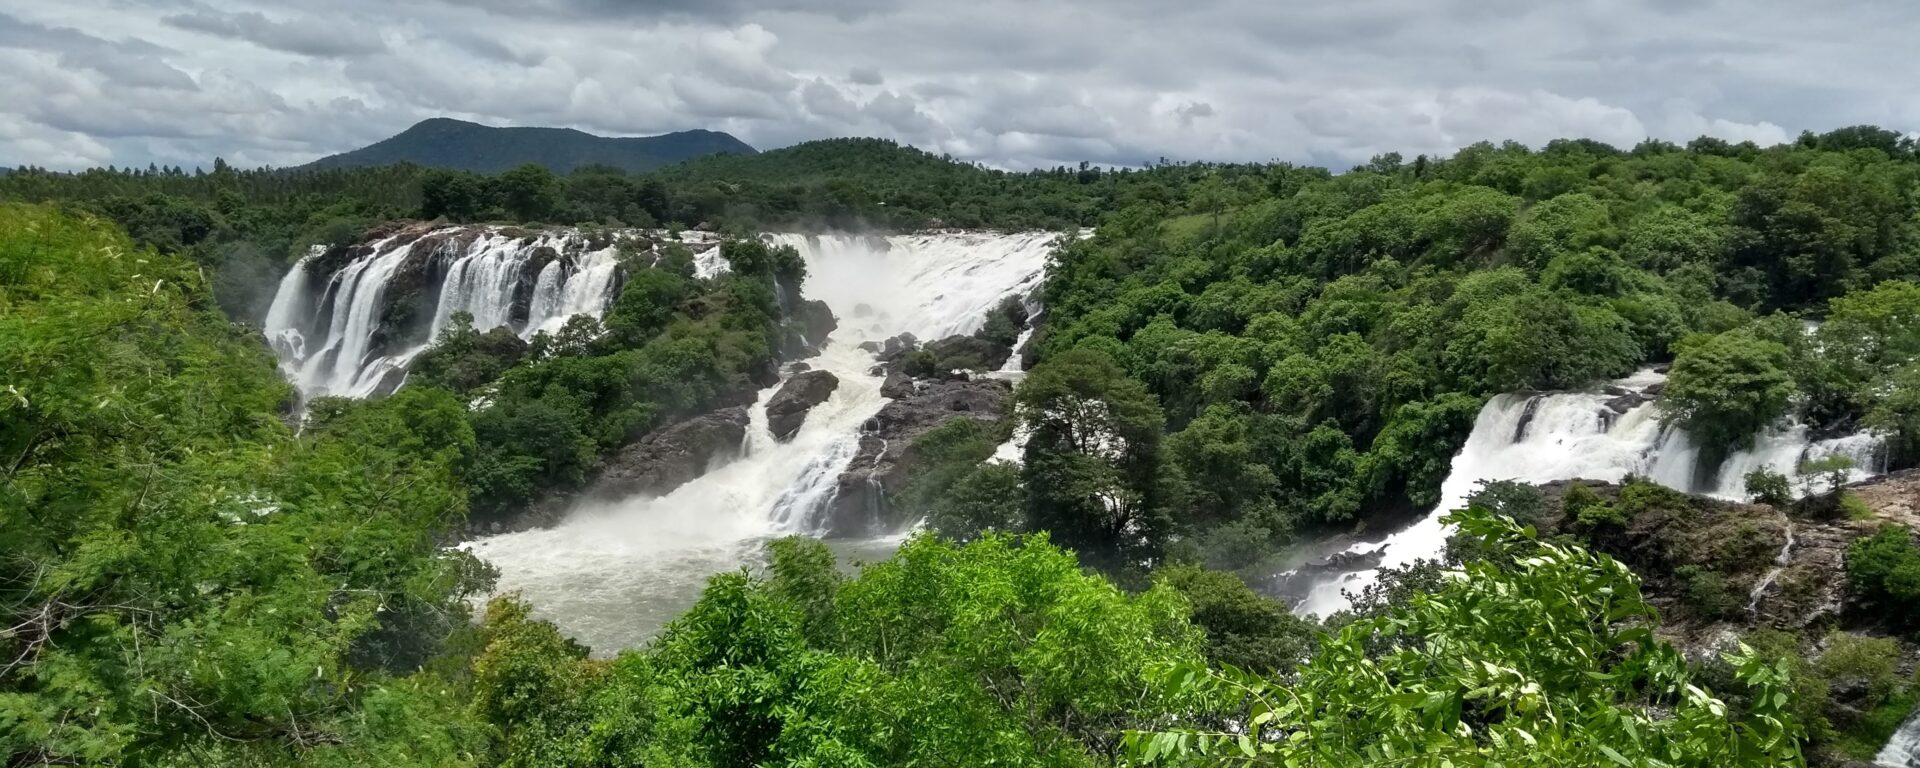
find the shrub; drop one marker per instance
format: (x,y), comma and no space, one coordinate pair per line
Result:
(1589,511)
(1834,470)
(1706,591)
(1517,500)
(1883,573)
(1854,508)
(1866,661)
(1769,487)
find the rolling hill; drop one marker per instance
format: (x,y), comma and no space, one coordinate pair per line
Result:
(446,143)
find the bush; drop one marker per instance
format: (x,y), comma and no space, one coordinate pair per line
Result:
(1883,573)
(1244,629)
(1854,509)
(1642,496)
(1769,487)
(985,500)
(1520,501)
(1834,470)
(1869,662)
(1705,590)
(1588,511)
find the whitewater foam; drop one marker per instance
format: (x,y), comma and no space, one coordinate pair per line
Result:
(611,575)
(1539,438)
(481,270)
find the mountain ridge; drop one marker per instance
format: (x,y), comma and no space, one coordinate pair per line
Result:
(443,142)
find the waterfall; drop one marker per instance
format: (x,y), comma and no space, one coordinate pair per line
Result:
(1780,563)
(348,332)
(612,574)
(1903,750)
(1538,438)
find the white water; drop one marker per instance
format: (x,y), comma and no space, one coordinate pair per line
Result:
(1780,563)
(612,575)
(480,277)
(1903,750)
(1573,435)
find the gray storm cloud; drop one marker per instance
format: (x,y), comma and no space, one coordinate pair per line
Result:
(1004,82)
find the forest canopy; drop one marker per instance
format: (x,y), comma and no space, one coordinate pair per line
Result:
(1236,359)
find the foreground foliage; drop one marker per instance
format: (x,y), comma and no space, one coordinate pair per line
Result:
(1000,652)
(671,346)
(1317,346)
(179,573)
(1542,655)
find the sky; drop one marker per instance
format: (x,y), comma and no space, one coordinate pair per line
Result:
(1009,83)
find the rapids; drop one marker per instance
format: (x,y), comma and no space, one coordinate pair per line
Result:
(612,575)
(1903,750)
(328,330)
(1540,438)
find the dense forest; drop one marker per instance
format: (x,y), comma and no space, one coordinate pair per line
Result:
(1238,358)
(1290,351)
(248,225)
(459,145)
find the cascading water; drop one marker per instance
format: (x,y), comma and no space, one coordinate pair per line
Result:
(612,575)
(333,333)
(1780,563)
(1562,436)
(1903,750)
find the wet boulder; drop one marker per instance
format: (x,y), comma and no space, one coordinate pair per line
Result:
(672,456)
(816,322)
(972,353)
(528,282)
(862,503)
(788,408)
(808,325)
(892,349)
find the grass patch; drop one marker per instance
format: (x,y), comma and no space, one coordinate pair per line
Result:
(1186,229)
(1854,508)
(1876,726)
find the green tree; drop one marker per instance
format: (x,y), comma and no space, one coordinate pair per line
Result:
(1092,457)
(179,573)
(1567,224)
(455,195)
(1531,663)
(529,192)
(1725,388)
(1883,574)
(1245,630)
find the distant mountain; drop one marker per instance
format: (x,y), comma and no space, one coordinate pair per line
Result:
(446,143)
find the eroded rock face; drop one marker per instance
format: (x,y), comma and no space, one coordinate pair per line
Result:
(671,456)
(814,321)
(787,409)
(862,505)
(969,352)
(408,301)
(529,281)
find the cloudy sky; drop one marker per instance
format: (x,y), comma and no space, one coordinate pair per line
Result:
(1012,83)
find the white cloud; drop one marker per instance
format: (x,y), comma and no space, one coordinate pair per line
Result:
(307,37)
(1004,82)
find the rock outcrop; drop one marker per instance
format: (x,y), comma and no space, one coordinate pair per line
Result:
(1894,498)
(787,409)
(671,456)
(969,353)
(811,321)
(529,281)
(1691,548)
(879,471)
(893,349)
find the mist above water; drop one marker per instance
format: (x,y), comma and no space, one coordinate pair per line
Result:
(1540,438)
(612,575)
